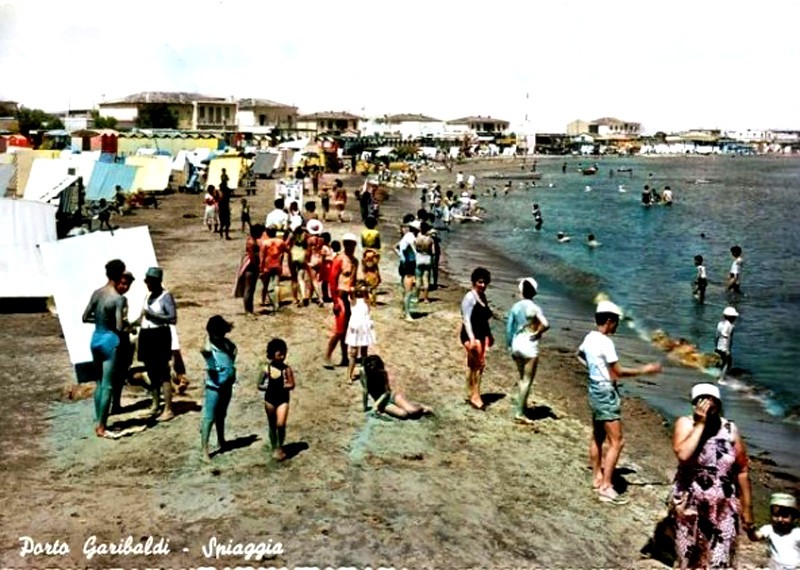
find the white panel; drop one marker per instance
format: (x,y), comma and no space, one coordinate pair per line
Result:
(76,267)
(23,226)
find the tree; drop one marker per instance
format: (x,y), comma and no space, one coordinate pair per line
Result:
(157,116)
(103,122)
(36,120)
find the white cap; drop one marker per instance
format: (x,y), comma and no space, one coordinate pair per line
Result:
(705,389)
(349,237)
(730,312)
(783,500)
(314,227)
(530,280)
(608,307)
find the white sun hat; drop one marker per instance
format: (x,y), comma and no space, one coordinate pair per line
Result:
(705,389)
(608,307)
(730,312)
(530,280)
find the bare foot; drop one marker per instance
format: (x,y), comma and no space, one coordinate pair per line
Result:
(279,454)
(524,420)
(100,431)
(166,416)
(477,404)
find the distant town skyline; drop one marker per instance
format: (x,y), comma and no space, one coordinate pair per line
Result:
(668,65)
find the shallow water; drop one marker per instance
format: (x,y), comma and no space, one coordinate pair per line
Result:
(645,264)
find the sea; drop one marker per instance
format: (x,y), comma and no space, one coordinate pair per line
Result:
(645,264)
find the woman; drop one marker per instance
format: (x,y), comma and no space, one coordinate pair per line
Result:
(711,494)
(155,340)
(106,310)
(424,248)
(476,336)
(219,353)
(525,326)
(407,252)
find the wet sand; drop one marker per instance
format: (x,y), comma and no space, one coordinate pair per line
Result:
(463,488)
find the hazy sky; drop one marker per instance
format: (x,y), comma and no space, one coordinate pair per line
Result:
(670,65)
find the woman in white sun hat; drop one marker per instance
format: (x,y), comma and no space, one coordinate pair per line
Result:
(525,325)
(710,497)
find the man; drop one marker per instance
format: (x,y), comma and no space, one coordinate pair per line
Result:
(278,218)
(598,354)
(341,281)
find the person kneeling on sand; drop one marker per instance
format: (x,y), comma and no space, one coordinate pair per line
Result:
(277,381)
(375,384)
(220,356)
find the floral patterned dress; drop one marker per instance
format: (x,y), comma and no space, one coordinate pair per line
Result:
(706,504)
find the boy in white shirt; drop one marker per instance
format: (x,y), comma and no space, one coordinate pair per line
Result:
(598,354)
(724,340)
(783,536)
(701,280)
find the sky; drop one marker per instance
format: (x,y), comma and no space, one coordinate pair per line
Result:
(669,65)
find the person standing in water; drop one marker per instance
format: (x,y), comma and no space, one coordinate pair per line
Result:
(701,280)
(735,274)
(106,310)
(724,340)
(537,217)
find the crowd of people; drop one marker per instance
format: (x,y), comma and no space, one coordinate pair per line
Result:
(710,501)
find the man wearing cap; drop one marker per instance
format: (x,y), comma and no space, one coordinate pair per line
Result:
(782,534)
(723,341)
(598,354)
(155,340)
(341,281)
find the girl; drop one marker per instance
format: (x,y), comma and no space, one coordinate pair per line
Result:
(277,381)
(476,336)
(407,252)
(370,259)
(375,384)
(220,356)
(360,334)
(314,257)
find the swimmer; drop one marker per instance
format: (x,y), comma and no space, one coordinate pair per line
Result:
(562,237)
(591,241)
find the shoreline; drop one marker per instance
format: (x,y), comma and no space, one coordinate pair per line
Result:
(462,488)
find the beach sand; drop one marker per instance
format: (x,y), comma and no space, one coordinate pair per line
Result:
(462,488)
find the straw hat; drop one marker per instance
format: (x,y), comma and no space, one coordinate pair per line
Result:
(608,307)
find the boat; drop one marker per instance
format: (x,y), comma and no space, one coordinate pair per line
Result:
(589,171)
(628,169)
(513,176)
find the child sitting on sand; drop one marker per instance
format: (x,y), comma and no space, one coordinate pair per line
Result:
(782,534)
(375,384)
(277,381)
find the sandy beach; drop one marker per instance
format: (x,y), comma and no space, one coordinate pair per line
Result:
(460,489)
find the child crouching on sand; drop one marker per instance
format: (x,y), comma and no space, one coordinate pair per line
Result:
(277,381)
(220,356)
(375,384)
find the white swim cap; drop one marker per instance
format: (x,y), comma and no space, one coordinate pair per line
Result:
(608,307)
(530,280)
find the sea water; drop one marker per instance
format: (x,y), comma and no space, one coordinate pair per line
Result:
(645,264)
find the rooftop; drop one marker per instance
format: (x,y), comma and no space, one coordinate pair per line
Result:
(478,119)
(332,115)
(165,97)
(252,102)
(408,117)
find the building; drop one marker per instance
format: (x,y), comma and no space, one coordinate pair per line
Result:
(606,127)
(410,126)
(8,116)
(194,111)
(332,122)
(261,116)
(480,126)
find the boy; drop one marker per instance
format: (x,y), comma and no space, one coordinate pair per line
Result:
(700,282)
(735,274)
(782,534)
(724,340)
(598,354)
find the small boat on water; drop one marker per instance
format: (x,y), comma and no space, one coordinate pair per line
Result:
(589,171)
(513,176)
(629,169)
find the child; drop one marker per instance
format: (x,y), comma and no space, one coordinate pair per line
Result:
(724,340)
(325,202)
(360,334)
(220,356)
(701,281)
(277,381)
(782,534)
(735,274)
(375,384)
(245,216)
(370,259)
